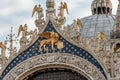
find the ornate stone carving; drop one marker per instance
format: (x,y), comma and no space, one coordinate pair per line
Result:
(33,35)
(17,73)
(89,44)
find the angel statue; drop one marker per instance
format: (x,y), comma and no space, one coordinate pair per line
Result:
(101,37)
(77,25)
(23,41)
(62,7)
(50,38)
(40,21)
(3,47)
(61,18)
(39,11)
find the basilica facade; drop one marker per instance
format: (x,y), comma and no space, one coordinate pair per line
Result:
(87,49)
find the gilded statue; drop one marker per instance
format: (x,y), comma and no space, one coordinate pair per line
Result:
(39,22)
(101,37)
(77,24)
(39,11)
(62,7)
(51,38)
(22,29)
(23,40)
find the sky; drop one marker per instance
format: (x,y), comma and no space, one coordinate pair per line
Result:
(16,12)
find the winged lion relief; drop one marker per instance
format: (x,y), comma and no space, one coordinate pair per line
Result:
(52,39)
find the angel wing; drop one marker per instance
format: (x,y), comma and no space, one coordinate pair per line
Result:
(1,44)
(34,10)
(65,6)
(46,35)
(103,36)
(20,29)
(79,23)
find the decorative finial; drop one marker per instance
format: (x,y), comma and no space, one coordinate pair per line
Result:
(50,12)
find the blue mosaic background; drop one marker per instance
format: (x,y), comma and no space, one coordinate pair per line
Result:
(68,49)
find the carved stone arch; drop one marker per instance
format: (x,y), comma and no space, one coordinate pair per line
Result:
(53,65)
(55,60)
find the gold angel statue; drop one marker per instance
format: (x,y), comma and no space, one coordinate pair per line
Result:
(39,11)
(22,29)
(101,37)
(77,24)
(50,38)
(23,40)
(63,7)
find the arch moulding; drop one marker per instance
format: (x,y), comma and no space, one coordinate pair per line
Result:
(55,60)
